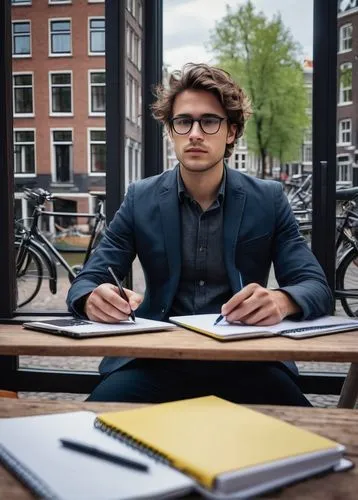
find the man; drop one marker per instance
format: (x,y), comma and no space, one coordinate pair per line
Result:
(206,236)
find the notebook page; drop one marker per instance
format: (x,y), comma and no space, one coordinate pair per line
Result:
(34,441)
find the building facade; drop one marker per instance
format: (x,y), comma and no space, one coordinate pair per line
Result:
(347,92)
(59,99)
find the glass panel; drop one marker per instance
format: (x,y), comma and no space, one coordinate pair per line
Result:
(61,78)
(97,23)
(22,45)
(98,99)
(62,136)
(98,135)
(61,44)
(24,136)
(60,26)
(62,160)
(61,100)
(21,27)
(98,157)
(98,77)
(22,80)
(97,41)
(23,100)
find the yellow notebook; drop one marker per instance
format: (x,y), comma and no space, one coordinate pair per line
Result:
(224,446)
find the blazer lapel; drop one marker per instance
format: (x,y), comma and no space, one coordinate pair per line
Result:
(170,215)
(235,199)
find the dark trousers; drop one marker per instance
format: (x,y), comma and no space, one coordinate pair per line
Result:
(158,381)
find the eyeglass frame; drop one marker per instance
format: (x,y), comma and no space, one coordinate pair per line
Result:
(193,120)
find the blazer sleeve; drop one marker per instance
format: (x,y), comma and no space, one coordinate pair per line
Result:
(116,249)
(297,270)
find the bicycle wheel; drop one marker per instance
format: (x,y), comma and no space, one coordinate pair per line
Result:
(347,282)
(29,272)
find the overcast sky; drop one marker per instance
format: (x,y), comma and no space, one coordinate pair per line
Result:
(188,23)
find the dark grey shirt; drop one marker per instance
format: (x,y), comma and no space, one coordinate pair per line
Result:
(204,284)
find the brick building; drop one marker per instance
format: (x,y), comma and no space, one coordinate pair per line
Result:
(59,97)
(347,98)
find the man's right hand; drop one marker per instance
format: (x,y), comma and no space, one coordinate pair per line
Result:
(104,304)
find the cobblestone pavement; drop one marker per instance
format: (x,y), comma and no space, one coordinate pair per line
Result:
(46,301)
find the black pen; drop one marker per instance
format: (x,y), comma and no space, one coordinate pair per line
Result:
(122,293)
(218,319)
(105,455)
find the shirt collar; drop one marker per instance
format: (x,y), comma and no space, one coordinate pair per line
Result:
(182,192)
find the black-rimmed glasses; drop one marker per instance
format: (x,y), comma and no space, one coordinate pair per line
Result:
(209,124)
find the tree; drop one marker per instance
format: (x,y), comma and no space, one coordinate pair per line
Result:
(262,56)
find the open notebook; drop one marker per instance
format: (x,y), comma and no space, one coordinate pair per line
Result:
(204,323)
(212,446)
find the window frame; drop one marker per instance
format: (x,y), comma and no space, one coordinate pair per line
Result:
(23,115)
(341,132)
(53,156)
(59,2)
(342,89)
(342,40)
(21,21)
(59,54)
(90,84)
(89,143)
(25,129)
(57,72)
(22,3)
(89,31)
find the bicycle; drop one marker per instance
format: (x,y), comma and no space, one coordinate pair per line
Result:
(35,252)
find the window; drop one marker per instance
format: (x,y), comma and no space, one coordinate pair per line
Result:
(62,156)
(344,168)
(345,132)
(21,39)
(97,93)
(51,2)
(61,93)
(345,37)
(23,94)
(140,13)
(345,83)
(24,151)
(96,36)
(21,2)
(97,151)
(242,143)
(240,161)
(307,153)
(60,37)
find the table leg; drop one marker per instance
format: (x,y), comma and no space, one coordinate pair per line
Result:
(349,393)
(8,372)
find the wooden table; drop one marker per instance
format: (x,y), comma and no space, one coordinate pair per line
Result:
(184,344)
(339,425)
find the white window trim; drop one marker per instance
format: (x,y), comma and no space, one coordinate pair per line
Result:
(52,156)
(56,113)
(341,50)
(56,2)
(21,4)
(26,129)
(92,174)
(16,21)
(98,54)
(24,115)
(340,132)
(59,54)
(90,112)
(95,1)
(344,103)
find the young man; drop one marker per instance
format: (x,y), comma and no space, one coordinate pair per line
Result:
(206,236)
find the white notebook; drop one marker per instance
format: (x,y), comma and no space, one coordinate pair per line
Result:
(30,447)
(204,323)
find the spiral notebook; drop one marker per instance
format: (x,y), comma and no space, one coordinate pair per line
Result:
(208,445)
(204,323)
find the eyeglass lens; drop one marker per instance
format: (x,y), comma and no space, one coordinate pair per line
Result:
(208,124)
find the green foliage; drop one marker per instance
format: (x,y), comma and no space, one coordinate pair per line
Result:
(262,56)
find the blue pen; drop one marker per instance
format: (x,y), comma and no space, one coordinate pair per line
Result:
(221,317)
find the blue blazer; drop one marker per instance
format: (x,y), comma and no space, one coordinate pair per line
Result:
(259,229)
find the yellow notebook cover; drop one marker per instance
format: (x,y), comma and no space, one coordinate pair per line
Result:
(208,436)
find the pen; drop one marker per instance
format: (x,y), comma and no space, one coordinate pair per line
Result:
(122,293)
(221,317)
(105,455)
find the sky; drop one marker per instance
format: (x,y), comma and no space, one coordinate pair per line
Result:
(188,23)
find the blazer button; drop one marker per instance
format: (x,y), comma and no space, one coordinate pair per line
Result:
(163,310)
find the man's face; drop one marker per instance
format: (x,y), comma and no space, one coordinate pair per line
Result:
(196,150)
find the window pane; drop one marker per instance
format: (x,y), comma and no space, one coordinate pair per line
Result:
(98,102)
(61,78)
(61,43)
(61,100)
(98,77)
(97,23)
(97,41)
(60,26)
(62,136)
(62,162)
(23,100)
(24,136)
(21,27)
(22,45)
(23,80)
(98,135)
(98,157)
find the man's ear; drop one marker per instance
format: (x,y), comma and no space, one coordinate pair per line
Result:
(231,133)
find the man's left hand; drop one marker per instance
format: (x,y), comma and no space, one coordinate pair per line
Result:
(256,305)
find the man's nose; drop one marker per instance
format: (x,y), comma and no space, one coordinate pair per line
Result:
(196,132)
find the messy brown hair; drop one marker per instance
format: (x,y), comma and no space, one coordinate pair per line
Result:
(203,77)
